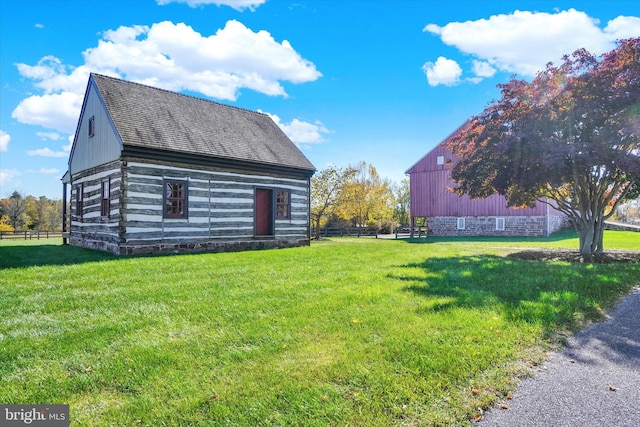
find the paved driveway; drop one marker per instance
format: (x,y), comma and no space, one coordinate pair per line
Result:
(594,381)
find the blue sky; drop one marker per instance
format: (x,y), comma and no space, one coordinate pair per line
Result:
(348,81)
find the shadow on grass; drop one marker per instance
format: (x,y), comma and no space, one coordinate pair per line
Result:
(560,296)
(16,256)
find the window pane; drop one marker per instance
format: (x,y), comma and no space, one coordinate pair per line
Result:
(105,189)
(175,199)
(282,204)
(175,207)
(79,197)
(105,198)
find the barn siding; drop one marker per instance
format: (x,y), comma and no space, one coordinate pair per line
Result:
(432,195)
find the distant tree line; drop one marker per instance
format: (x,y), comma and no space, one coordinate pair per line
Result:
(18,212)
(357,196)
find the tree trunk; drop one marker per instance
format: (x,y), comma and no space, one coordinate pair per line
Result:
(591,236)
(599,237)
(317,229)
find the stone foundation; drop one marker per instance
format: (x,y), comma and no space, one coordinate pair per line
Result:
(211,246)
(486,226)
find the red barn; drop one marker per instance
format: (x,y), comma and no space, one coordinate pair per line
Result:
(448,214)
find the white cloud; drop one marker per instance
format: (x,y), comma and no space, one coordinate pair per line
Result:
(67,148)
(57,111)
(46,171)
(7,177)
(443,72)
(4,141)
(47,152)
(301,132)
(175,57)
(623,27)
(49,135)
(524,42)
(236,4)
(170,56)
(483,69)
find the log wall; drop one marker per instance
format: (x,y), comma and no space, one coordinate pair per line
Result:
(220,210)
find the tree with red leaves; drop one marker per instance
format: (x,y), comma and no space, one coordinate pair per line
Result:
(569,138)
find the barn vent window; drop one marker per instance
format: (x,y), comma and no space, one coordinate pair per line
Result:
(105,207)
(175,198)
(460,224)
(500,224)
(283,204)
(440,160)
(92,126)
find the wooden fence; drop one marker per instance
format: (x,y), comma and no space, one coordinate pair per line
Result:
(346,231)
(399,233)
(30,234)
(405,232)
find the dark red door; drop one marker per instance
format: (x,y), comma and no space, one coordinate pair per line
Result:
(264,212)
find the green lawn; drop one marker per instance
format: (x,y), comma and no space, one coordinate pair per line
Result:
(345,332)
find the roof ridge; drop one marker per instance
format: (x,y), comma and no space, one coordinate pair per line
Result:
(179,93)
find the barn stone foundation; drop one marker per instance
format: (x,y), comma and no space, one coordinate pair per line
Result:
(489,225)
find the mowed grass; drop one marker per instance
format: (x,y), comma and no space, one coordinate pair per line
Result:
(345,332)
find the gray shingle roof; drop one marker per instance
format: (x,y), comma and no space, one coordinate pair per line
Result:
(159,119)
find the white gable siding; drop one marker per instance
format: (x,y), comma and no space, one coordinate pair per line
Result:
(103,147)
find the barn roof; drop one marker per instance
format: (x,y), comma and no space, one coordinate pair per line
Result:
(148,118)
